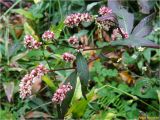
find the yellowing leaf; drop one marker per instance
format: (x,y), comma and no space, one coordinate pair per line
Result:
(29,30)
(49,82)
(37,1)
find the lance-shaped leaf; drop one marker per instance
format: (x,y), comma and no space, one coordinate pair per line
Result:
(114,5)
(127,20)
(144,27)
(72,79)
(145,6)
(135,41)
(83,72)
(109,16)
(8,88)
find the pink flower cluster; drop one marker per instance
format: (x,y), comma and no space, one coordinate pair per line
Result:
(48,35)
(61,92)
(73,40)
(68,57)
(31,43)
(86,17)
(28,80)
(76,18)
(104,10)
(116,34)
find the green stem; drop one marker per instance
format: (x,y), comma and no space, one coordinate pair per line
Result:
(134,97)
(41,105)
(10,8)
(45,58)
(59,4)
(59,111)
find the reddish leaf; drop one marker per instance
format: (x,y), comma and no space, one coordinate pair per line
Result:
(135,41)
(127,20)
(114,5)
(143,29)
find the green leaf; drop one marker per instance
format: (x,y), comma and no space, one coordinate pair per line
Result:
(58,29)
(147,54)
(19,56)
(127,59)
(29,30)
(38,53)
(78,2)
(79,106)
(6,115)
(143,90)
(134,41)
(81,33)
(83,72)
(90,6)
(72,79)
(25,13)
(49,82)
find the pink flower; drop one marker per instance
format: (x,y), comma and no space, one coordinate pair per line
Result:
(76,18)
(104,10)
(61,92)
(73,19)
(25,86)
(68,57)
(48,35)
(28,80)
(86,17)
(73,40)
(31,43)
(116,34)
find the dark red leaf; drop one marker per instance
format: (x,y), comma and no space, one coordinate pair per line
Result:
(143,29)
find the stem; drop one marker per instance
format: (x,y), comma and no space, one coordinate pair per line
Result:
(59,4)
(59,111)
(92,49)
(61,69)
(47,61)
(45,58)
(134,97)
(10,8)
(66,45)
(121,33)
(41,105)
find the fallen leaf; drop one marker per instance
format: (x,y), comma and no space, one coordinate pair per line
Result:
(126,77)
(36,85)
(37,114)
(106,36)
(8,88)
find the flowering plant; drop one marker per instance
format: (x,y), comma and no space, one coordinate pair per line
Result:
(83,58)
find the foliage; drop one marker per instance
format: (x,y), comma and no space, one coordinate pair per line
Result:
(110,79)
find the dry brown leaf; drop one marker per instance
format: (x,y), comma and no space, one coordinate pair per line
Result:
(37,114)
(9,88)
(84,39)
(106,36)
(36,85)
(125,76)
